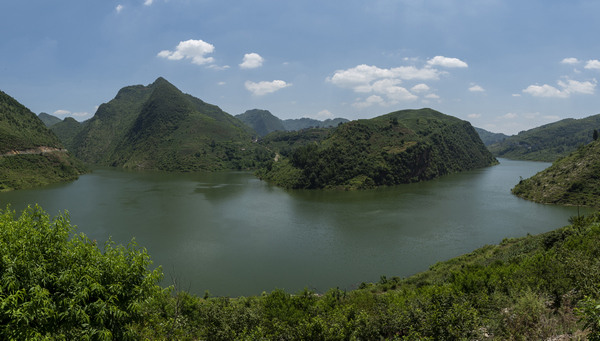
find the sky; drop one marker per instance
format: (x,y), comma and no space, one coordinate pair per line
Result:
(505,66)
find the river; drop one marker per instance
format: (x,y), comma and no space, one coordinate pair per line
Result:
(233,234)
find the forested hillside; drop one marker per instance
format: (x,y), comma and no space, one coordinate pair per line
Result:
(400,147)
(30,154)
(159,127)
(490,138)
(48,120)
(548,142)
(571,180)
(66,131)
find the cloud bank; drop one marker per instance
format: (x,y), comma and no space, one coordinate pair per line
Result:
(263,88)
(190,49)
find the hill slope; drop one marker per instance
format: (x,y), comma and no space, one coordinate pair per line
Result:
(548,142)
(159,127)
(66,130)
(572,180)
(48,120)
(262,121)
(30,154)
(400,147)
(490,138)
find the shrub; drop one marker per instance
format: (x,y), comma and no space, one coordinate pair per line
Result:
(56,285)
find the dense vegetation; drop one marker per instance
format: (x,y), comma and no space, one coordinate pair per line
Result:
(400,147)
(293,124)
(548,142)
(159,127)
(22,131)
(263,122)
(66,130)
(572,180)
(56,286)
(284,142)
(48,120)
(490,138)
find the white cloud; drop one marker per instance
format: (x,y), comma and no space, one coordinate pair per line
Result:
(119,8)
(592,64)
(516,95)
(61,112)
(219,68)
(221,83)
(447,62)
(570,61)
(508,116)
(363,75)
(545,91)
(370,101)
(474,115)
(476,88)
(324,114)
(263,88)
(190,49)
(420,88)
(572,86)
(432,96)
(148,2)
(251,61)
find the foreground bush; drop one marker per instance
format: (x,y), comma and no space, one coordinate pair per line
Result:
(58,286)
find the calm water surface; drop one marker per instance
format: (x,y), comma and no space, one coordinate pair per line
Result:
(233,234)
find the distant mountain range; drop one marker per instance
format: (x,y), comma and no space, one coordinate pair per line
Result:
(30,154)
(400,147)
(548,142)
(159,127)
(263,122)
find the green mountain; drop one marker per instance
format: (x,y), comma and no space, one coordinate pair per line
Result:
(262,121)
(31,154)
(490,138)
(159,127)
(548,142)
(572,180)
(400,147)
(66,130)
(48,120)
(285,142)
(304,123)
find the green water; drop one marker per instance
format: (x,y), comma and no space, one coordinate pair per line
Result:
(233,234)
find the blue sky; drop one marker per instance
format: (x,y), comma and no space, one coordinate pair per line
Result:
(505,66)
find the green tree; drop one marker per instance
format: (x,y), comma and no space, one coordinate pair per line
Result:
(595,134)
(57,285)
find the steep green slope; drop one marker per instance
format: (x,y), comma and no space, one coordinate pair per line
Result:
(66,130)
(48,120)
(548,142)
(305,123)
(159,127)
(30,154)
(262,121)
(572,180)
(284,142)
(490,138)
(400,147)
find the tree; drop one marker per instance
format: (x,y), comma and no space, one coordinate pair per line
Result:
(595,134)
(57,285)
